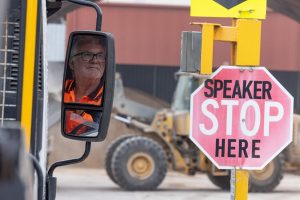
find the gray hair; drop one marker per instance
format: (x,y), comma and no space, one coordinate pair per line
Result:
(78,40)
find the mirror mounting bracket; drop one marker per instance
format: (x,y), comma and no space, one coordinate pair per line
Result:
(93,5)
(51,181)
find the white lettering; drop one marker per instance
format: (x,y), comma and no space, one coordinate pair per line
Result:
(243,121)
(210,115)
(268,118)
(229,104)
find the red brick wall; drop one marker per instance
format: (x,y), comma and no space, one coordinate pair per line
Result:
(150,35)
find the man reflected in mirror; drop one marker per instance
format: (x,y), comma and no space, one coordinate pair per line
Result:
(84,82)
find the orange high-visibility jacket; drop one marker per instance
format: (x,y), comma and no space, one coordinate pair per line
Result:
(93,98)
(73,119)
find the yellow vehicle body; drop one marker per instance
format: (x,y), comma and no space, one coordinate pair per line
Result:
(170,129)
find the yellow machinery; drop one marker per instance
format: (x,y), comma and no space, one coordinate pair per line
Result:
(130,163)
(23,99)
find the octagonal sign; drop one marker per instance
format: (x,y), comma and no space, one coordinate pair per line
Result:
(241,117)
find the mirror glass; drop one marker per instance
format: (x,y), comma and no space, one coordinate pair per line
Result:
(85,73)
(82,122)
(87,89)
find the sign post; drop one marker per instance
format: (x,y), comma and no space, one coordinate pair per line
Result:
(238,146)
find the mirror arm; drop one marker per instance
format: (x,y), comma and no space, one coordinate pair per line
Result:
(51,181)
(72,161)
(93,5)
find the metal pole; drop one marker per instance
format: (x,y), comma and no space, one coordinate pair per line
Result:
(93,5)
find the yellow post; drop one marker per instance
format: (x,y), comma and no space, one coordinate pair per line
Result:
(208,45)
(240,184)
(245,37)
(247,47)
(245,52)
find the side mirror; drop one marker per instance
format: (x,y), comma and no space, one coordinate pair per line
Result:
(87,92)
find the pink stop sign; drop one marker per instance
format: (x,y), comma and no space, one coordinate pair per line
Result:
(241,117)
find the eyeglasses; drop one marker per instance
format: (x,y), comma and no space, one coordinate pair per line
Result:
(88,56)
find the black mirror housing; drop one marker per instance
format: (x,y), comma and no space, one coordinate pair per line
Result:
(88,84)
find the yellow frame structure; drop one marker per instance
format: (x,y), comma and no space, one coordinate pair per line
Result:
(245,37)
(29,67)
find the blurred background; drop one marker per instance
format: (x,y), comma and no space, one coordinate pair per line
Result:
(148,38)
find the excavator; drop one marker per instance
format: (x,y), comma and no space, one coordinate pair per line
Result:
(24,173)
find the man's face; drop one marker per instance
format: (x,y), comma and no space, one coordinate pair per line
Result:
(88,62)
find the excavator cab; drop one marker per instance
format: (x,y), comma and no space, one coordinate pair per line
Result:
(186,85)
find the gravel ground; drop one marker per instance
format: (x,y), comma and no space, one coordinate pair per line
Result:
(94,184)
